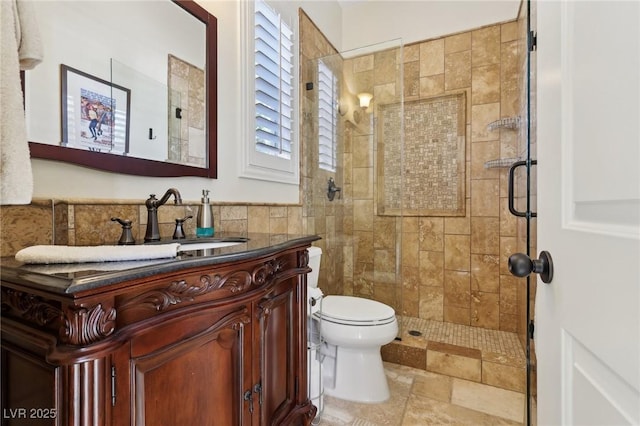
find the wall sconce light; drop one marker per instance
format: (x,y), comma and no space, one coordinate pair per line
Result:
(365,99)
(343,107)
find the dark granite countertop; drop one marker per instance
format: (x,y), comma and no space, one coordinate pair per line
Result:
(78,277)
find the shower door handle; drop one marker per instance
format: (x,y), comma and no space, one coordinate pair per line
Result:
(512,171)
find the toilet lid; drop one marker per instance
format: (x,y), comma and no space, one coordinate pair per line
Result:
(348,309)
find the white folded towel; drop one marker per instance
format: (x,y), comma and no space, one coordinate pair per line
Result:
(78,254)
(69,268)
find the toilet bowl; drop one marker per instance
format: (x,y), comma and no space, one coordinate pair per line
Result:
(352,330)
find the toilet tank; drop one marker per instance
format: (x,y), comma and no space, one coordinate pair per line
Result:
(315,254)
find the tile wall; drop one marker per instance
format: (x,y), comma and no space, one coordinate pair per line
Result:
(454,269)
(88,222)
(320,216)
(187,130)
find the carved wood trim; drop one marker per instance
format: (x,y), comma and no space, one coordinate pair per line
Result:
(266,272)
(266,306)
(83,326)
(303,259)
(182,291)
(31,308)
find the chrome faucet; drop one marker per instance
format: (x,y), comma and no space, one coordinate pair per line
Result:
(152,203)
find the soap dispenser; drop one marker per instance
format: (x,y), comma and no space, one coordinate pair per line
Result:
(204,223)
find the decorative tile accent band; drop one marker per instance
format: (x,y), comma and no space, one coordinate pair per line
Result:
(429,179)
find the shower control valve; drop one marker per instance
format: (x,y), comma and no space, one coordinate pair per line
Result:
(332,189)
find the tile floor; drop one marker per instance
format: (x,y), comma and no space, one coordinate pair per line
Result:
(491,357)
(423,398)
(495,341)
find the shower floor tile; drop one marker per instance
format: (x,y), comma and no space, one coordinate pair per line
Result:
(493,341)
(479,355)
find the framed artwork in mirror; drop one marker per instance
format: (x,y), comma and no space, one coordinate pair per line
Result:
(139,67)
(95,113)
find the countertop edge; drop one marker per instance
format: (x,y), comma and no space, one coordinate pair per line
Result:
(70,286)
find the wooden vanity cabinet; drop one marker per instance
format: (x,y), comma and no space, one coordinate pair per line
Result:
(221,345)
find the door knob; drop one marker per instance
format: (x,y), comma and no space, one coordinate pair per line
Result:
(521,265)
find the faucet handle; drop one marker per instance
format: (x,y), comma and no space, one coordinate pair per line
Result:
(151,201)
(178,234)
(126,239)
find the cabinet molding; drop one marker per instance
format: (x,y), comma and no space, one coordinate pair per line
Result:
(225,340)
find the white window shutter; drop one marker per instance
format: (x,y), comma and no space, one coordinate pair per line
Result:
(327,117)
(274,82)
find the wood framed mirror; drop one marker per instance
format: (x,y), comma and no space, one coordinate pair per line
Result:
(127,162)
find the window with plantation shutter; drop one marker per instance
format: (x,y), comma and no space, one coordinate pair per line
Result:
(327,117)
(274,82)
(269,66)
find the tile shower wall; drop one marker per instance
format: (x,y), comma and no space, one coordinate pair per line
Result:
(454,268)
(320,216)
(187,129)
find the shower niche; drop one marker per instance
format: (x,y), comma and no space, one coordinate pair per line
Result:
(432,182)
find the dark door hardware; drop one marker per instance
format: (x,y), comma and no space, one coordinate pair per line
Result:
(249,397)
(533,41)
(512,170)
(113,386)
(521,266)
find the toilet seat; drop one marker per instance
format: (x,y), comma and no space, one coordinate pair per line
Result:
(355,311)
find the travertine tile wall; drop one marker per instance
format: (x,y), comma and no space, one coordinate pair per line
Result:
(187,92)
(89,222)
(320,216)
(454,269)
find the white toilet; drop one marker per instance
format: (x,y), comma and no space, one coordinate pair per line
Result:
(352,329)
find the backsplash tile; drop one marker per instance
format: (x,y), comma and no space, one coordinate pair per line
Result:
(89,222)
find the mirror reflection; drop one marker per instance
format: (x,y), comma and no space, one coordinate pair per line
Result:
(121,79)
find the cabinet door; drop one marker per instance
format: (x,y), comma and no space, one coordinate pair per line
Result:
(189,370)
(278,357)
(28,389)
(36,392)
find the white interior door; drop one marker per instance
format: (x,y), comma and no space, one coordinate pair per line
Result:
(588,317)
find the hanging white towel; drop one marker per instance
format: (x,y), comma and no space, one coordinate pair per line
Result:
(21,49)
(47,254)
